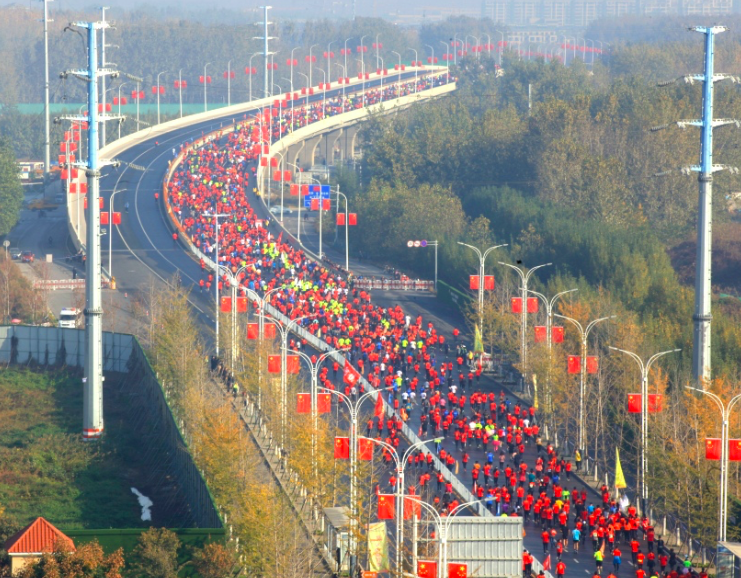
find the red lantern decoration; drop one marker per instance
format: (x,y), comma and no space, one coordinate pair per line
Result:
(386,509)
(540,333)
(712,448)
(273,363)
(574,364)
(226,304)
(557,334)
(341,448)
(303,402)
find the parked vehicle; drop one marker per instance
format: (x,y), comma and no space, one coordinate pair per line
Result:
(15,253)
(27,257)
(70,317)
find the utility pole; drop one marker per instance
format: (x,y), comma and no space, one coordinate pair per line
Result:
(217,274)
(265,48)
(47,130)
(701,320)
(92,419)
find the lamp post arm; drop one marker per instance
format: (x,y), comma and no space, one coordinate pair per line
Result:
(478,252)
(490,249)
(574,321)
(341,395)
(388,446)
(419,444)
(527,277)
(638,360)
(655,356)
(593,323)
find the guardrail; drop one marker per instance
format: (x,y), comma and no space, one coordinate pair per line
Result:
(394,284)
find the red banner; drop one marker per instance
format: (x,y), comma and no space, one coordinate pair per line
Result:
(712,448)
(273,363)
(540,333)
(226,304)
(386,509)
(365,449)
(253,330)
(324,402)
(341,448)
(634,403)
(592,364)
(516,304)
(473,282)
(574,364)
(532,304)
(489,282)
(426,569)
(352,219)
(412,507)
(241,304)
(293,364)
(457,571)
(303,402)
(557,334)
(268,331)
(734,450)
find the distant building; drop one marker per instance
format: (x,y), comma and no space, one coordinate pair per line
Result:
(580,13)
(28,545)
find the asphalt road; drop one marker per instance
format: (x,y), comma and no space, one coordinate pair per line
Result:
(144,252)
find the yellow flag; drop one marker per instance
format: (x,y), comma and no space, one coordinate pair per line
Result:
(378,550)
(619,477)
(478,343)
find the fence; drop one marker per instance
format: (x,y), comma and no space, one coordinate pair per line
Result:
(122,354)
(394,284)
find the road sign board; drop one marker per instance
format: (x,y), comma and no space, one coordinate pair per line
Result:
(410,244)
(416,243)
(423,243)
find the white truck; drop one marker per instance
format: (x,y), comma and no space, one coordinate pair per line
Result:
(70,317)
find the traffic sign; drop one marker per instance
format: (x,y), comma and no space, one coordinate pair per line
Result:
(410,244)
(416,243)
(423,243)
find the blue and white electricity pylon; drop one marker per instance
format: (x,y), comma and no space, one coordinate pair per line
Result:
(701,352)
(92,419)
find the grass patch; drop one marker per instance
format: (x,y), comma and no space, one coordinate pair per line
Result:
(45,467)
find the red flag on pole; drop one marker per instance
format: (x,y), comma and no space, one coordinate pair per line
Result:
(540,333)
(426,569)
(341,448)
(303,402)
(574,364)
(226,304)
(547,563)
(365,449)
(412,507)
(273,363)
(457,571)
(378,411)
(712,448)
(350,375)
(386,510)
(253,330)
(324,402)
(634,403)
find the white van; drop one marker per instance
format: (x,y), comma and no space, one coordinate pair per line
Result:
(70,317)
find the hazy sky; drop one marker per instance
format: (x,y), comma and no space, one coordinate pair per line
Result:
(303,9)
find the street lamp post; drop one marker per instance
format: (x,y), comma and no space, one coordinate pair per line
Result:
(158,95)
(347,227)
(205,88)
(120,86)
(285,331)
(725,412)
(229,83)
(645,368)
(378,57)
(400,463)
(583,334)
(501,48)
(306,104)
(344,75)
(215,216)
(314,367)
(398,76)
(250,74)
(549,341)
(324,92)
(416,68)
(311,63)
(346,41)
(447,61)
(180,91)
(524,278)
(329,62)
(354,410)
(110,232)
(482,261)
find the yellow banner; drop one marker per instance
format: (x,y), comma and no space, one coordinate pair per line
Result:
(478,343)
(619,477)
(378,548)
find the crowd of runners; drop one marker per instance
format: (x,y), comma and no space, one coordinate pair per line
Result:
(494,440)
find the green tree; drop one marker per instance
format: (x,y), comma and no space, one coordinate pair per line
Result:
(156,554)
(11,191)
